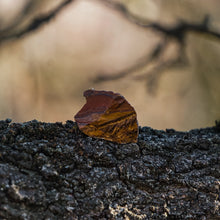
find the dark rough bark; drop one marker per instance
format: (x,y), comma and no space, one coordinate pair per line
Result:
(53,171)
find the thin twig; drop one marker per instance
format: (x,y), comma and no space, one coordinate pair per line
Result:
(156,53)
(36,23)
(19,18)
(177,32)
(122,9)
(180,30)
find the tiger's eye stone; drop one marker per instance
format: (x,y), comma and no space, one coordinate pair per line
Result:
(108,116)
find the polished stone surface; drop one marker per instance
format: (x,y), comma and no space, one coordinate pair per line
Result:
(108,116)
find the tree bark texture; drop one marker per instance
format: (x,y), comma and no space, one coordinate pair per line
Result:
(53,171)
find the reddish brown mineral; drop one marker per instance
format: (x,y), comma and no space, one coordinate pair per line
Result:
(108,116)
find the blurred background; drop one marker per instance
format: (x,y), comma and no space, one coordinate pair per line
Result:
(110,45)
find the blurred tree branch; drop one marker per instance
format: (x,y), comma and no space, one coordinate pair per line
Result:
(8,33)
(175,33)
(19,19)
(169,34)
(178,31)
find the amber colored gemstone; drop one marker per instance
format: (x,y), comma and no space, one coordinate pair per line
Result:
(108,116)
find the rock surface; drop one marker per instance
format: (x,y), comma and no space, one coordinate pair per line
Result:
(109,116)
(53,171)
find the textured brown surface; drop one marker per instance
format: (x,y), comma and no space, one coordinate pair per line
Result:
(109,116)
(54,171)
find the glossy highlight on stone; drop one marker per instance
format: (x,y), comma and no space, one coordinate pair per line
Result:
(108,116)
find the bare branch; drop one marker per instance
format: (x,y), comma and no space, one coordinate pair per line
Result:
(19,18)
(175,32)
(156,53)
(35,23)
(142,22)
(180,30)
(153,77)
